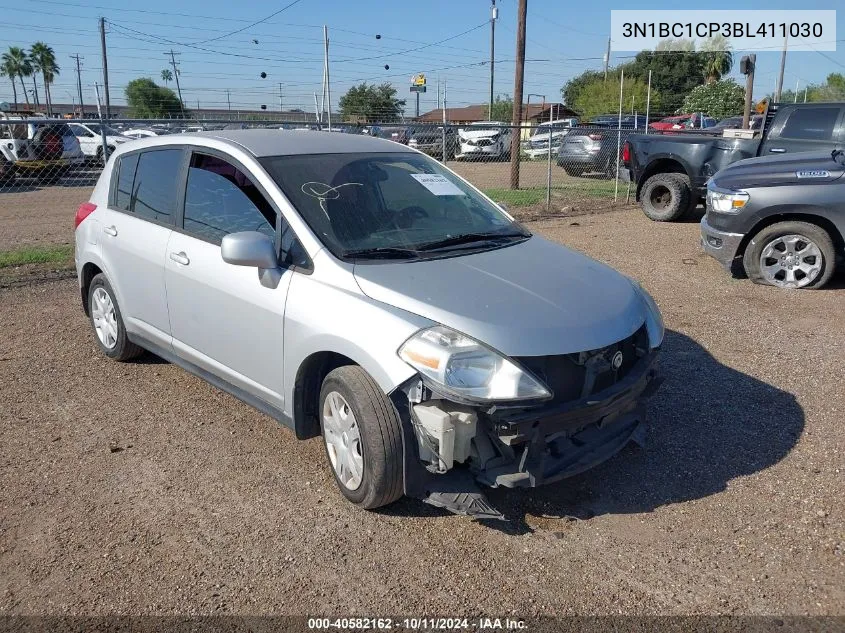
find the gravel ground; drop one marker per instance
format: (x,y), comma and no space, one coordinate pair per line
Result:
(137,488)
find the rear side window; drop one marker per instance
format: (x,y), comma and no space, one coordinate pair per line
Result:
(156,184)
(813,124)
(125,179)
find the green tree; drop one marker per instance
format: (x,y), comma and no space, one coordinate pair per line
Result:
(17,64)
(718,58)
(8,69)
(833,89)
(675,70)
(44,61)
(371,103)
(166,75)
(574,86)
(718,99)
(502,109)
(147,100)
(602,97)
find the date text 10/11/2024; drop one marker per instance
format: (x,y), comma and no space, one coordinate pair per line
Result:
(418,624)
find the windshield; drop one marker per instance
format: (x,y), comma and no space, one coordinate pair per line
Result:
(110,131)
(401,201)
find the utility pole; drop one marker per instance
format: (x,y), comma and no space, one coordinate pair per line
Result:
(176,77)
(328,81)
(105,66)
(228,100)
(494,13)
(79,85)
(438,92)
(280,97)
(519,76)
(782,66)
(606,59)
(746,67)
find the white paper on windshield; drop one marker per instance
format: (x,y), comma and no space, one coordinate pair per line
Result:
(438,185)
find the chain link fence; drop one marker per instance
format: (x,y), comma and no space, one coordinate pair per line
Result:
(48,167)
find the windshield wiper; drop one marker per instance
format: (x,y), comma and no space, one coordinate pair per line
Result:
(469,238)
(382,251)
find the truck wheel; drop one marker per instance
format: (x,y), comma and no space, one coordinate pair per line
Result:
(573,172)
(790,255)
(362,435)
(665,197)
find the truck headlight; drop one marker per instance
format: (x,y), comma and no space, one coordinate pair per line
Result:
(722,201)
(466,368)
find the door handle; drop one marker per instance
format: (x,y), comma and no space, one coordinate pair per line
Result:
(777,150)
(110,230)
(180,258)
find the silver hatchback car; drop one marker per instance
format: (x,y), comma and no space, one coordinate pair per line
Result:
(353,288)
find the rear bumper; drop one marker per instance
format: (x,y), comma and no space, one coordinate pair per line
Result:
(582,161)
(720,245)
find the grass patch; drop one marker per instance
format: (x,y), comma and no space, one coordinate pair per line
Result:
(518,197)
(36,255)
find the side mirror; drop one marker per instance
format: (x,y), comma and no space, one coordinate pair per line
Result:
(249,248)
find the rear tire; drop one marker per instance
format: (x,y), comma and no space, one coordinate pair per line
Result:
(107,322)
(373,437)
(770,254)
(575,173)
(665,197)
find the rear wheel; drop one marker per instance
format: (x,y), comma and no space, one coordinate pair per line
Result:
(570,171)
(107,321)
(665,197)
(790,255)
(362,436)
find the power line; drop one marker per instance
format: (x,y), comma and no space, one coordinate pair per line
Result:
(272,15)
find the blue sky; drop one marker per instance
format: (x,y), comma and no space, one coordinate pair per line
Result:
(563,40)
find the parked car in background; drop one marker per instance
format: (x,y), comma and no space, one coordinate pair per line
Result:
(429,140)
(398,134)
(780,220)
(671,171)
(91,139)
(594,148)
(485,139)
(755,122)
(36,147)
(355,289)
(695,121)
(136,133)
(538,144)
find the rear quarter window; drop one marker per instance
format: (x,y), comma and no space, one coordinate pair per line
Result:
(125,174)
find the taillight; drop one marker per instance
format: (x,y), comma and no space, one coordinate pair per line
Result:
(626,152)
(85,209)
(595,137)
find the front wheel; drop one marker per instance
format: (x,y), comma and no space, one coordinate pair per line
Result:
(362,435)
(790,255)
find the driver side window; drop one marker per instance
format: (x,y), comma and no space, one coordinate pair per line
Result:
(220,199)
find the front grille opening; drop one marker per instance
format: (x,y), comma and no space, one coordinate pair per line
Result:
(566,374)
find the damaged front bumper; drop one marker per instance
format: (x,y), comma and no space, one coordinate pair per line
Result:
(527,447)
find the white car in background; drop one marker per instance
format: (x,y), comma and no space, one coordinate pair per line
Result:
(538,144)
(90,139)
(485,139)
(137,133)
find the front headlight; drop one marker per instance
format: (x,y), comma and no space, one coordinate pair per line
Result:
(461,366)
(722,201)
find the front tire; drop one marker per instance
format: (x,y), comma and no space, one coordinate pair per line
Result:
(790,255)
(362,435)
(665,197)
(107,322)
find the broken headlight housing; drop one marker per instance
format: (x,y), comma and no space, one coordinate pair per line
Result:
(462,367)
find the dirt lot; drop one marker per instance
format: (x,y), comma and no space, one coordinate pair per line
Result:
(137,488)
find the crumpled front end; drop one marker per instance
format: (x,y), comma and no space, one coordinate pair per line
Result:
(597,407)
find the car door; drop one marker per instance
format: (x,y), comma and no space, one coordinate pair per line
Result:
(87,139)
(223,319)
(137,223)
(805,128)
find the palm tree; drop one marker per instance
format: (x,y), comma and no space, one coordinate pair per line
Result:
(166,76)
(718,58)
(8,70)
(44,61)
(17,64)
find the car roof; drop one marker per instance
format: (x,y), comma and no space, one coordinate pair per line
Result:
(264,142)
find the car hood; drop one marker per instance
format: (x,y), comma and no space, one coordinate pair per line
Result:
(806,168)
(476,133)
(530,299)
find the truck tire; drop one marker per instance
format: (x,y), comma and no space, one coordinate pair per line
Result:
(362,435)
(790,255)
(665,197)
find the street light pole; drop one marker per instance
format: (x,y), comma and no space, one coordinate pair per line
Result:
(494,13)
